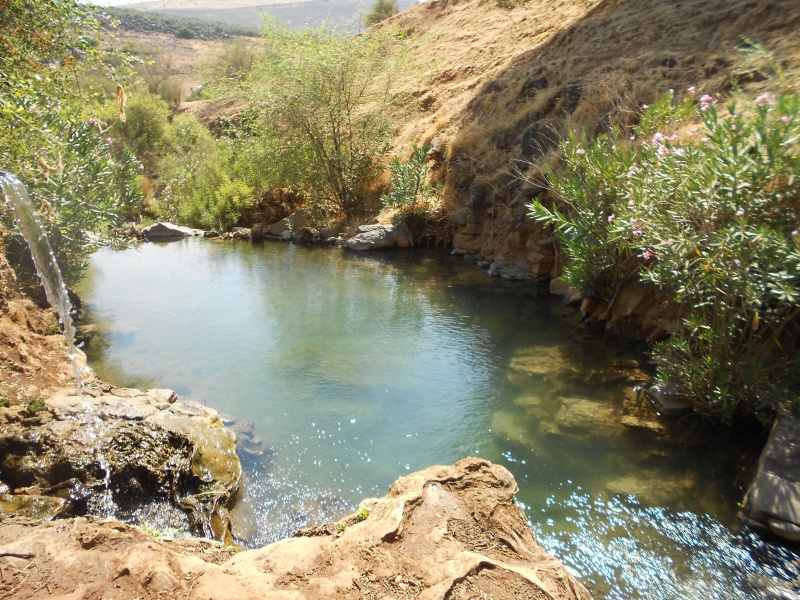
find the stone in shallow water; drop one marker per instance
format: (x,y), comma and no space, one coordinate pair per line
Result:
(669,399)
(164,231)
(376,237)
(33,506)
(538,362)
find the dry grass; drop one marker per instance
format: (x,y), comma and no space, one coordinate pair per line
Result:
(484,76)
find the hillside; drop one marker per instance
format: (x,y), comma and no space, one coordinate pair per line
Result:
(248,13)
(495,89)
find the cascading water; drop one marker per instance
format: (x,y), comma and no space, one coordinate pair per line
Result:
(30,226)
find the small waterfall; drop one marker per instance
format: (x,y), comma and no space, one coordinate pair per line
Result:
(30,226)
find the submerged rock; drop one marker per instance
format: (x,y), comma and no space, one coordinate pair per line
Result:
(445,532)
(155,448)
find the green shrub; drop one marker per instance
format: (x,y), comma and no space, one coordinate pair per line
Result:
(411,195)
(185,33)
(380,11)
(144,132)
(712,223)
(322,104)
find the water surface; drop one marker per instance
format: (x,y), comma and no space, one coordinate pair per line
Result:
(357,369)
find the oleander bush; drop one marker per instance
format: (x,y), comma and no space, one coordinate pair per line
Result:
(709,217)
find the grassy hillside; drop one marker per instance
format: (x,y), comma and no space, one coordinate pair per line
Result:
(497,88)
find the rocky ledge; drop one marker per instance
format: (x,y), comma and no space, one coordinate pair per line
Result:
(445,532)
(159,454)
(773,500)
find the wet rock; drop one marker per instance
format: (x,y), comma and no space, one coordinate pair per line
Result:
(305,235)
(241,233)
(376,237)
(259,231)
(773,500)
(571,295)
(669,399)
(33,506)
(165,231)
(155,448)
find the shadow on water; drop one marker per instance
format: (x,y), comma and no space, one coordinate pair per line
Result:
(357,369)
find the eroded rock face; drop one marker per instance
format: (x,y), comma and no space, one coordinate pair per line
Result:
(154,448)
(445,532)
(773,500)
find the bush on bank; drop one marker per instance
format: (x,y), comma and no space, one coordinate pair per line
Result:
(48,139)
(711,219)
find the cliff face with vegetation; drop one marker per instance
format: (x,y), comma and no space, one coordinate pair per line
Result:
(495,90)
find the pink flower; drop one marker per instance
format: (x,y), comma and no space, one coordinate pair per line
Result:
(671,91)
(611,218)
(692,91)
(764,100)
(785,119)
(662,150)
(670,242)
(679,151)
(737,262)
(740,213)
(705,102)
(580,151)
(659,138)
(109,141)
(796,231)
(648,254)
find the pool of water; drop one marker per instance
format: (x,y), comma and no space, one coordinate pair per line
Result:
(357,369)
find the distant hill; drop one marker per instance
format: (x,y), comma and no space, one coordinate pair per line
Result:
(184,27)
(248,13)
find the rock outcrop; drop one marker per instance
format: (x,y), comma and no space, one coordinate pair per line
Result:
(156,449)
(773,500)
(377,237)
(445,532)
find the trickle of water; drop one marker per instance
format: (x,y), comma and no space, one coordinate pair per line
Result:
(30,226)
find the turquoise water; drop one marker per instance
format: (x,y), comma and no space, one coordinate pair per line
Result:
(357,369)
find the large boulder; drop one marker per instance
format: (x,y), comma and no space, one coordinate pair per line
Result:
(445,532)
(773,500)
(166,231)
(291,223)
(376,237)
(124,448)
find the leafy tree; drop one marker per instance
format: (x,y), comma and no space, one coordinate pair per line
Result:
(381,10)
(323,99)
(46,137)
